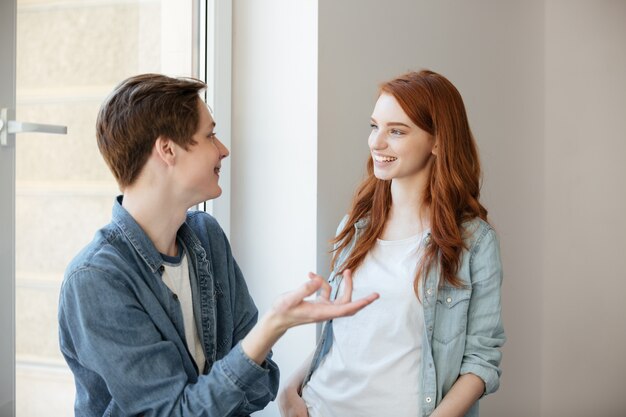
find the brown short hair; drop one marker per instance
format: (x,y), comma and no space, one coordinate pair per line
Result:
(137,112)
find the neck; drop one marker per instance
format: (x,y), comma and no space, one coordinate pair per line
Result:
(408,214)
(157,216)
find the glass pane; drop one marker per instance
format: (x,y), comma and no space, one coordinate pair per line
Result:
(70,54)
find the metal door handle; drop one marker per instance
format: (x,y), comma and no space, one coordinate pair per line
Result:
(8,127)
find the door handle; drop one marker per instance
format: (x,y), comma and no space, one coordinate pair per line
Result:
(8,127)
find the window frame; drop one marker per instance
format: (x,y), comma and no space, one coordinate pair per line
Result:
(215,68)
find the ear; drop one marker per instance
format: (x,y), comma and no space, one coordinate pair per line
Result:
(435,148)
(165,150)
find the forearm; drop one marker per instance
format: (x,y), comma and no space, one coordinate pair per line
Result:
(290,402)
(259,341)
(297,378)
(463,394)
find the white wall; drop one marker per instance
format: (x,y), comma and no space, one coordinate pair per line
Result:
(274,154)
(543,82)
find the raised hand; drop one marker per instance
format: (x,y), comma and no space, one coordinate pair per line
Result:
(292,309)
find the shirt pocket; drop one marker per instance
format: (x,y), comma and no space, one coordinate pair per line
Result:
(451,313)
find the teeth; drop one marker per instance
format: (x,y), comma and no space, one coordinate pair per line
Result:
(380,158)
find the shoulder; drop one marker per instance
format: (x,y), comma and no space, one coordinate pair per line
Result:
(359,224)
(483,245)
(477,232)
(99,263)
(201,221)
(207,231)
(99,252)
(342,224)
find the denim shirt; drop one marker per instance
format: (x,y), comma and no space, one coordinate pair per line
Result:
(462,330)
(121,328)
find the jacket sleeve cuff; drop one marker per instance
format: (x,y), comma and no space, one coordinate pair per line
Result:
(241,370)
(490,377)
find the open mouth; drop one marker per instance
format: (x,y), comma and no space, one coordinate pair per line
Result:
(382,158)
(217,170)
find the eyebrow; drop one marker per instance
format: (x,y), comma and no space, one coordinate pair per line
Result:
(392,123)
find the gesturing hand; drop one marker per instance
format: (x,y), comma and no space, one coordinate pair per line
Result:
(291,309)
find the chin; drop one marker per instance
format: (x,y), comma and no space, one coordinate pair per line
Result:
(214,194)
(382,176)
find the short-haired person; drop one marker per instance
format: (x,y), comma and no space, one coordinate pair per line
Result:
(417,234)
(155,316)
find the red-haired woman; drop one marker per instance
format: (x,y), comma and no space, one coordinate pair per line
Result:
(418,235)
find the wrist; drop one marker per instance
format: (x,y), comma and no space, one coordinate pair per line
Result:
(293,388)
(259,341)
(274,324)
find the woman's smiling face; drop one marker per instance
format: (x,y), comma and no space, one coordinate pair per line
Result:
(399,148)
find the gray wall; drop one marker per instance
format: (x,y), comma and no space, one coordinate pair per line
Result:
(544,83)
(493,53)
(584,314)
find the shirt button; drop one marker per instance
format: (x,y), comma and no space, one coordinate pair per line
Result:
(175,297)
(161,269)
(428,399)
(429,291)
(448,300)
(430,328)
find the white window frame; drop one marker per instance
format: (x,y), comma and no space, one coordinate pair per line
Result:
(213,61)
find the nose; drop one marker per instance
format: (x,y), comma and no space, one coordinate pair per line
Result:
(222,149)
(377,139)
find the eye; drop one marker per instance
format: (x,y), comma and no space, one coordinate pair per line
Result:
(211,135)
(373,126)
(396,132)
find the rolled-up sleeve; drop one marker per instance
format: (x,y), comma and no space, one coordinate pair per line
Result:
(485,332)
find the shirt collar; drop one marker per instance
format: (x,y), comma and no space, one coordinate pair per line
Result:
(136,236)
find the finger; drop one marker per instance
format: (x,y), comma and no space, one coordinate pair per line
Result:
(347,287)
(355,306)
(325,288)
(325,291)
(331,311)
(305,290)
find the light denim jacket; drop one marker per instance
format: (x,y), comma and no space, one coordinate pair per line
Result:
(121,328)
(463,329)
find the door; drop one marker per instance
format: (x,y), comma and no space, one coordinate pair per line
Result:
(59,61)
(7,214)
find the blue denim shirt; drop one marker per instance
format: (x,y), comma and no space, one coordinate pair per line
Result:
(121,328)
(462,330)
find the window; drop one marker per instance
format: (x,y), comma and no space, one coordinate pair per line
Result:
(70,55)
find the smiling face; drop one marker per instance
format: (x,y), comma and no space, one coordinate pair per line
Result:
(200,164)
(401,151)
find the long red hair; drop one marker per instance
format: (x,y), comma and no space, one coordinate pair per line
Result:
(452,191)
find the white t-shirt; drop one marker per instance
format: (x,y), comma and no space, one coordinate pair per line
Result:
(372,368)
(176,277)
